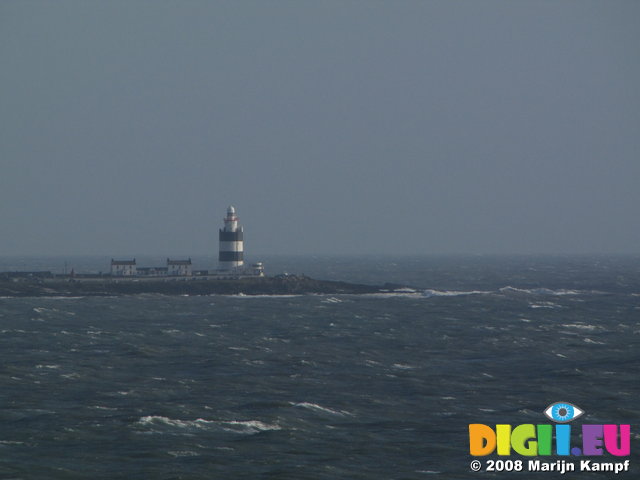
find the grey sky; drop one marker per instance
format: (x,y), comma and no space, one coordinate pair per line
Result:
(333,126)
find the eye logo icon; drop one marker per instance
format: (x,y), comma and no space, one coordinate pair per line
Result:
(563,412)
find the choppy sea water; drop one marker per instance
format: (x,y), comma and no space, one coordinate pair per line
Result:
(317,387)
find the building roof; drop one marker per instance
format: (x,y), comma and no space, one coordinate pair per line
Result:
(178,262)
(123,262)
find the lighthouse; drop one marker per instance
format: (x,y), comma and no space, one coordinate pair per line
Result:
(231,243)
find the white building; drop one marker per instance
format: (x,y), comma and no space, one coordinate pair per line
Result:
(179,267)
(258,269)
(152,271)
(123,268)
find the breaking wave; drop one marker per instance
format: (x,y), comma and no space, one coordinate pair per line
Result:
(249,426)
(331,300)
(242,427)
(540,291)
(580,326)
(544,305)
(319,408)
(509,290)
(451,293)
(165,421)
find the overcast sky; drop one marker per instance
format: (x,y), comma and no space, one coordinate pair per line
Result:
(333,126)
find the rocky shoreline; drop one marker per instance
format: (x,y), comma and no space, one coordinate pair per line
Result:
(279,285)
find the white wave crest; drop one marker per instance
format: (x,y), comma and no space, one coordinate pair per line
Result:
(332,300)
(544,305)
(319,408)
(390,294)
(159,420)
(580,326)
(540,291)
(235,426)
(62,297)
(249,426)
(404,290)
(183,453)
(402,366)
(245,296)
(451,293)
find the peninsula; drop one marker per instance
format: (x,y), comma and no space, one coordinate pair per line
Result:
(14,285)
(177,277)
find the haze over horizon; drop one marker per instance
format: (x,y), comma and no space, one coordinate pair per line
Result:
(335,127)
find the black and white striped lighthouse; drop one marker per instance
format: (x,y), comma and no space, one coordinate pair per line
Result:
(231,243)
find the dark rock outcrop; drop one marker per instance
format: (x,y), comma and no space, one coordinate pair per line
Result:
(278,285)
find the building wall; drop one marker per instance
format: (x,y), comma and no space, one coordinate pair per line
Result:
(123,270)
(180,270)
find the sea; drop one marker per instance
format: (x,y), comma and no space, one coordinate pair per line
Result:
(315,387)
